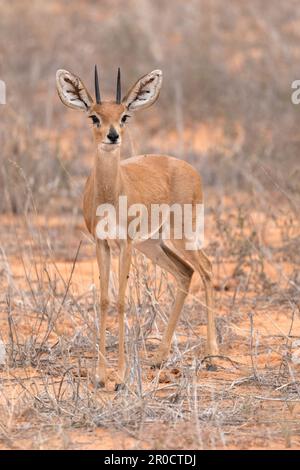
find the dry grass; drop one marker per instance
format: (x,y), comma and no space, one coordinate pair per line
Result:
(49,306)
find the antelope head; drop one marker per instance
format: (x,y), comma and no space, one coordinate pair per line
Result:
(109,118)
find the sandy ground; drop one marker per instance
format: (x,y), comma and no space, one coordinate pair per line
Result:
(249,398)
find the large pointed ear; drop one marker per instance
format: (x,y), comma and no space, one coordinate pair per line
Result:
(145,91)
(72,91)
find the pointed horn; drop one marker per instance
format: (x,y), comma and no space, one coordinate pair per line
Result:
(97,89)
(118,96)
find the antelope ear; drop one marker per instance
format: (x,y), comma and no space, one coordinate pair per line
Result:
(145,91)
(72,91)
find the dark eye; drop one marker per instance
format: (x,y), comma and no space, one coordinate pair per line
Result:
(124,118)
(95,120)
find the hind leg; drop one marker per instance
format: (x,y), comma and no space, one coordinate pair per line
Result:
(164,257)
(201,263)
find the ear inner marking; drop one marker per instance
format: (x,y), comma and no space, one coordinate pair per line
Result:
(145,91)
(77,91)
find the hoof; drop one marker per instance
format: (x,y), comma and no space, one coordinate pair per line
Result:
(156,366)
(120,386)
(99,383)
(157,363)
(211,367)
(210,362)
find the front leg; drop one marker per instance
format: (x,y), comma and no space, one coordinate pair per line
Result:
(103,259)
(124,268)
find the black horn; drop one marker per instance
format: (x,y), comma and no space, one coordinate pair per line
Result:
(118,96)
(97,89)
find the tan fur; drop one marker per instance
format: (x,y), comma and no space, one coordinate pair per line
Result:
(144,179)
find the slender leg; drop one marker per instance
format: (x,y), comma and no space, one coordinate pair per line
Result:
(124,268)
(169,260)
(206,274)
(103,259)
(202,264)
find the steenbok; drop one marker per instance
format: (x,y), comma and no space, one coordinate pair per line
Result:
(147,180)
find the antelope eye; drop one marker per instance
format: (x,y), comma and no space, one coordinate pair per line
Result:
(124,118)
(95,120)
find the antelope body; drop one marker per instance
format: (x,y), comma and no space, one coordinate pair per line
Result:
(144,179)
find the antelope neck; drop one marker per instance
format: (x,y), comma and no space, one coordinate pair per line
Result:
(107,174)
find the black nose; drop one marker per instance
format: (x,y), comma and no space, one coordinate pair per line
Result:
(113,135)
